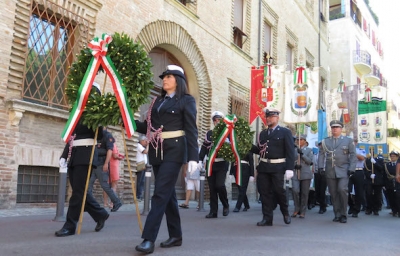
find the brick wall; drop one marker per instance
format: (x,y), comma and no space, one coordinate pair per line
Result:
(208,54)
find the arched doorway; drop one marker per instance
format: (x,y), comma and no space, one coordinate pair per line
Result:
(181,50)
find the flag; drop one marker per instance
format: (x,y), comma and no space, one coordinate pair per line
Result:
(322,127)
(256,94)
(372,120)
(301,96)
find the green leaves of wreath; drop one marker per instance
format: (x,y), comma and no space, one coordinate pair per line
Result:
(244,137)
(133,65)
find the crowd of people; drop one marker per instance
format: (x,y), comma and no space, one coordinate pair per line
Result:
(355,179)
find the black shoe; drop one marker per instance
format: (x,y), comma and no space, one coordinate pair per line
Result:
(336,219)
(264,222)
(287,219)
(64,232)
(368,212)
(376,213)
(146,246)
(354,215)
(309,207)
(225,211)
(211,215)
(172,241)
(343,219)
(236,210)
(350,211)
(116,207)
(246,208)
(322,211)
(100,223)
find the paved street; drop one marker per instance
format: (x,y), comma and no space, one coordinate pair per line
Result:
(31,232)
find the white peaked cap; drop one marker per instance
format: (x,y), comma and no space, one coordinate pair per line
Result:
(217,113)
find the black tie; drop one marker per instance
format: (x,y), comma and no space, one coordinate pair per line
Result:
(269,131)
(166,98)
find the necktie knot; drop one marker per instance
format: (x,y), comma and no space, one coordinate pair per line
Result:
(166,98)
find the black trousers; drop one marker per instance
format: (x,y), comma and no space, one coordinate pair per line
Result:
(391,197)
(216,184)
(164,201)
(77,178)
(270,186)
(397,199)
(374,197)
(357,179)
(320,188)
(242,197)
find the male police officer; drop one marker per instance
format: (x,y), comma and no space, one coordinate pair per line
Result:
(216,181)
(276,150)
(338,156)
(302,176)
(357,180)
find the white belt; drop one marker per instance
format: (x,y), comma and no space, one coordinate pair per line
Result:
(83,142)
(359,169)
(273,161)
(172,134)
(216,159)
(244,162)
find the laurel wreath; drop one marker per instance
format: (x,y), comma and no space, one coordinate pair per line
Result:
(300,112)
(133,66)
(244,138)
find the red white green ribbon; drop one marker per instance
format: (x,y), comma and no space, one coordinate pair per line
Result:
(267,74)
(99,51)
(229,129)
(368,94)
(300,75)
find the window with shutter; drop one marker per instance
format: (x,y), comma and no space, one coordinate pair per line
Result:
(365,24)
(373,38)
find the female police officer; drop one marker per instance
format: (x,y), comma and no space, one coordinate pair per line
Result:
(172,132)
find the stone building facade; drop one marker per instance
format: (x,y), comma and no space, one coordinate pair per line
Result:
(216,42)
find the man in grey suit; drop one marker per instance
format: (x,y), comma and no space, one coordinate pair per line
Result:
(337,160)
(302,176)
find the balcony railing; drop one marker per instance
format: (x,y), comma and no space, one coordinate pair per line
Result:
(335,14)
(362,56)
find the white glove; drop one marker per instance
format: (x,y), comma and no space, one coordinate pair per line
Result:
(251,179)
(373,160)
(288,174)
(200,165)
(63,162)
(372,176)
(192,166)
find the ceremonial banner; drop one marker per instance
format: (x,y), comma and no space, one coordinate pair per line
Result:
(301,96)
(372,120)
(322,125)
(266,90)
